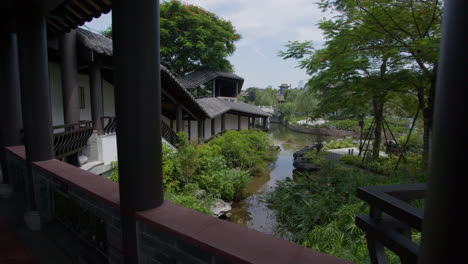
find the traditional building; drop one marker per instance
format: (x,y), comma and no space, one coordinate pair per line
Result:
(283,87)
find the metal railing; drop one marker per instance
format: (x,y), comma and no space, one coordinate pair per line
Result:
(391,220)
(109,124)
(70,139)
(168,134)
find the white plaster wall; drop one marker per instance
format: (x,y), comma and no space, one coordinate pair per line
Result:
(107,147)
(231,122)
(85,113)
(244,122)
(218,124)
(55,85)
(108,98)
(207,128)
(194,129)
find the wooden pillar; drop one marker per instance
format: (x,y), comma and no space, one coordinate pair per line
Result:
(179,121)
(214,88)
(35,96)
(265,122)
(189,129)
(213,131)
(200,126)
(237,87)
(198,91)
(249,124)
(238,122)
(135,26)
(69,71)
(443,211)
(10,98)
(223,122)
(95,86)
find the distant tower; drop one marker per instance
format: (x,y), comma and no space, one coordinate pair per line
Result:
(283,87)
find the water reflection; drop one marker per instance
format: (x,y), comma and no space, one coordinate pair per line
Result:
(252,211)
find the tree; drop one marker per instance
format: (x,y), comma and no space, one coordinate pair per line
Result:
(193,38)
(412,26)
(374,49)
(305,103)
(267,97)
(252,94)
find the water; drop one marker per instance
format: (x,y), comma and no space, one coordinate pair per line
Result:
(252,210)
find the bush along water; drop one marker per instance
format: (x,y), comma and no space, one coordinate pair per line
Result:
(319,211)
(195,175)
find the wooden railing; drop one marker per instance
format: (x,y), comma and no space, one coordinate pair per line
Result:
(391,220)
(71,138)
(168,134)
(109,124)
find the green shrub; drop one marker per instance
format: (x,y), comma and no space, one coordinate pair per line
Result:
(335,144)
(320,211)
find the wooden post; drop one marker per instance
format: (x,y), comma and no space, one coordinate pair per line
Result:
(10,98)
(238,122)
(35,96)
(223,122)
(200,126)
(137,84)
(444,203)
(179,121)
(214,88)
(69,70)
(213,131)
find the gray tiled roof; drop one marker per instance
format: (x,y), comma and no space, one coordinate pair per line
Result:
(94,41)
(214,107)
(197,78)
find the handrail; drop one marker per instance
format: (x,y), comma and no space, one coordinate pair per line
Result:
(71,138)
(109,124)
(168,134)
(390,220)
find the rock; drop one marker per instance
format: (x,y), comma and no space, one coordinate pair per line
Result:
(355,142)
(82,160)
(324,143)
(220,208)
(339,140)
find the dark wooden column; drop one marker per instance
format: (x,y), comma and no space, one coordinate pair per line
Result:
(238,122)
(214,88)
(69,71)
(213,131)
(443,222)
(179,121)
(200,129)
(237,87)
(189,129)
(265,125)
(223,122)
(249,124)
(95,86)
(138,112)
(35,96)
(10,97)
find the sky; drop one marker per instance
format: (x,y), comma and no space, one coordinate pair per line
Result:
(266,27)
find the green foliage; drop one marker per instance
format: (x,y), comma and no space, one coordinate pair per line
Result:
(316,157)
(267,96)
(335,144)
(245,148)
(286,111)
(409,168)
(193,38)
(219,167)
(320,210)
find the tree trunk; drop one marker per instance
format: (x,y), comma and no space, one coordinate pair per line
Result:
(378,116)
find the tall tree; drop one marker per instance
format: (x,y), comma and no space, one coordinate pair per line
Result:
(193,38)
(370,46)
(413,26)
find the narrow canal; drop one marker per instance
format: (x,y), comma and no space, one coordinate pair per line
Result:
(252,211)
